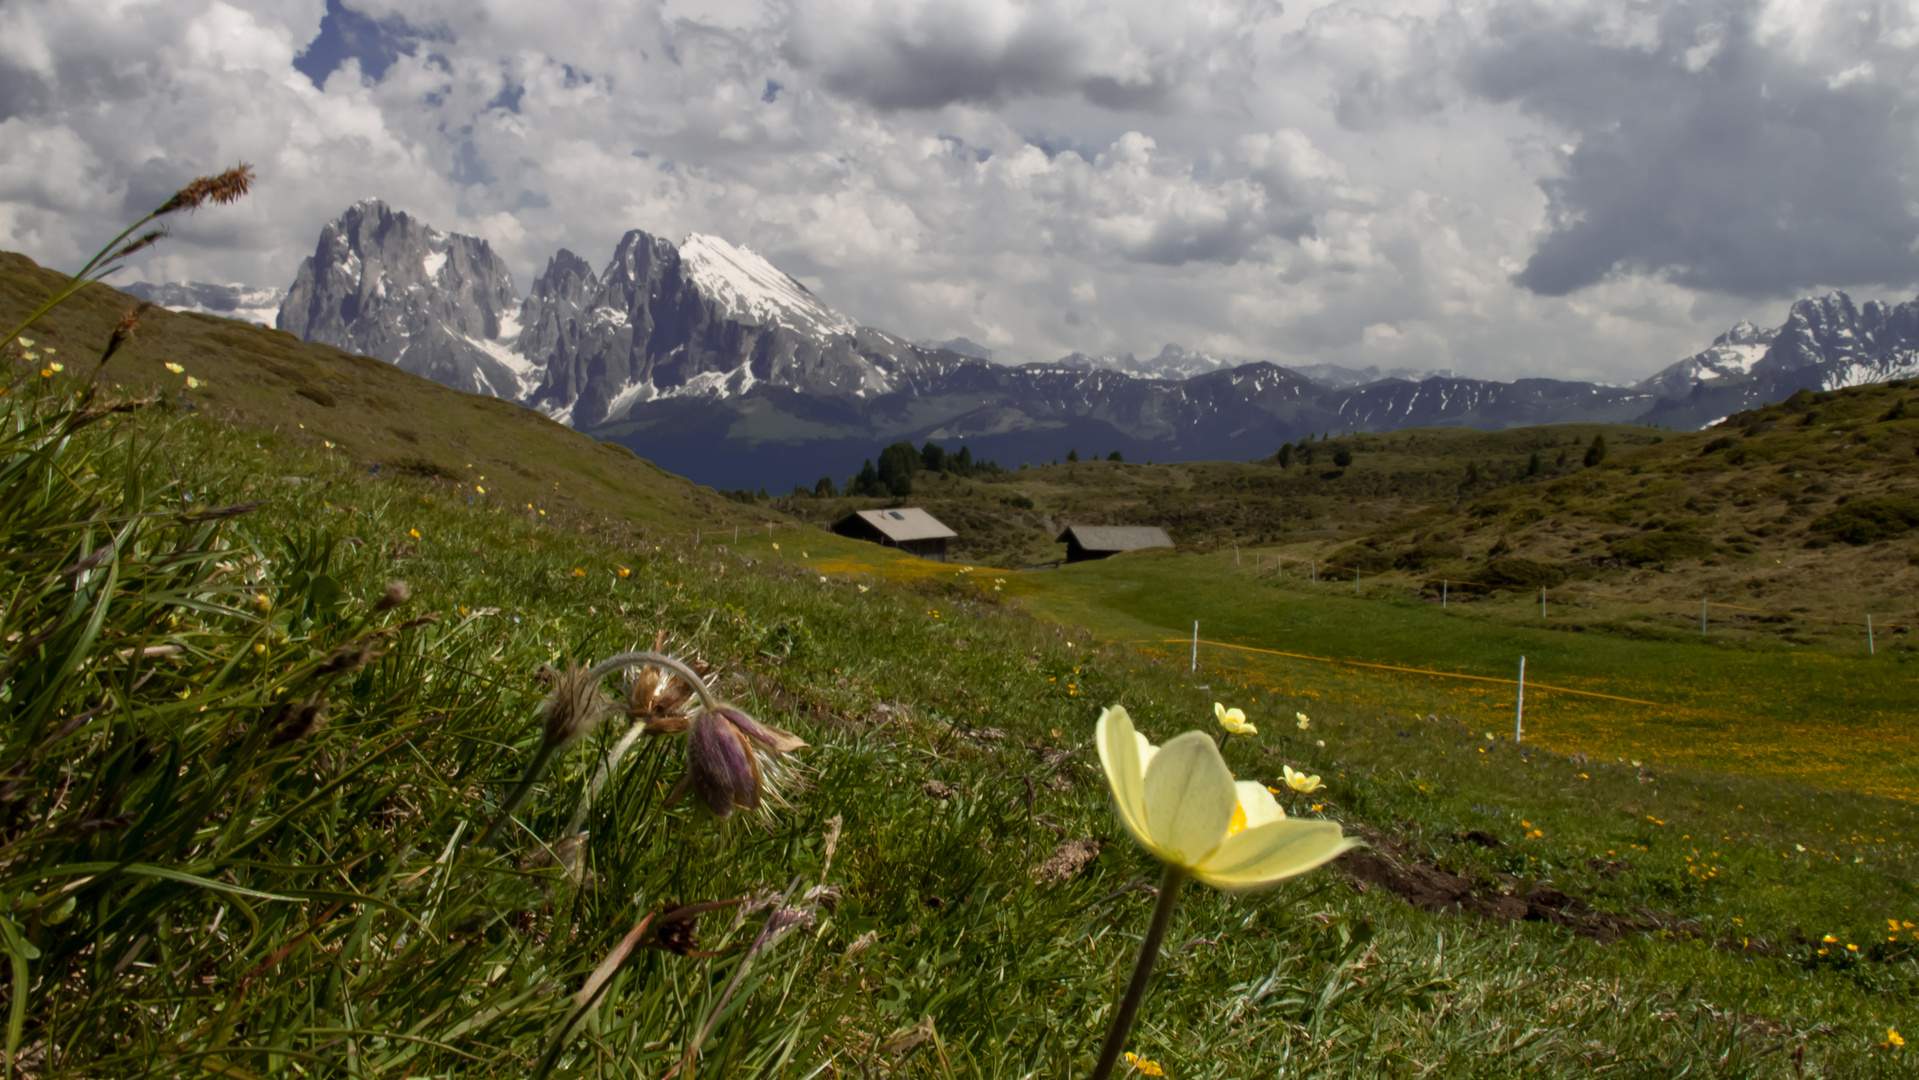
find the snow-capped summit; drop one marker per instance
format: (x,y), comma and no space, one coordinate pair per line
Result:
(748,289)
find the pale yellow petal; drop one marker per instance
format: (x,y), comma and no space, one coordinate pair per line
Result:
(1258,804)
(1190,798)
(1122,751)
(1262,857)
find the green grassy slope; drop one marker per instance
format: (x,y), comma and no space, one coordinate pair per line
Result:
(239,797)
(1013,518)
(1807,505)
(296,394)
(329,918)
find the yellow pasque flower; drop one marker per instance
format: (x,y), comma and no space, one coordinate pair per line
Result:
(1304,721)
(1181,803)
(1233,720)
(1299,781)
(175,368)
(1144,1066)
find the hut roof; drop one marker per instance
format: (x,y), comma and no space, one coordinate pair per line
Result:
(906,523)
(1116,537)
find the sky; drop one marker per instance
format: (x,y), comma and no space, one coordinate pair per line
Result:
(1505,188)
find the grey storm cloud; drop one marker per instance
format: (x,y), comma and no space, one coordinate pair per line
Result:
(1703,153)
(1118,55)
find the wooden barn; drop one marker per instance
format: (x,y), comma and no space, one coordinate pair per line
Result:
(910,529)
(1085,542)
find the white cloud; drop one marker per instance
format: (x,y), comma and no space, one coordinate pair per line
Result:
(1356,181)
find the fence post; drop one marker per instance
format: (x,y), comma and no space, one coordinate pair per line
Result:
(1195,668)
(736,534)
(696,538)
(1355,581)
(1542,601)
(1442,593)
(1870,651)
(1702,616)
(1235,553)
(1519,712)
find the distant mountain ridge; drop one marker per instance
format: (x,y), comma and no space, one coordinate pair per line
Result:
(706,358)
(247,303)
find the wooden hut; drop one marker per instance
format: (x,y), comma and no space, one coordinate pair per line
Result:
(909,529)
(1085,542)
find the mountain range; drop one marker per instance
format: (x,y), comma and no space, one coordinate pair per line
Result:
(707,359)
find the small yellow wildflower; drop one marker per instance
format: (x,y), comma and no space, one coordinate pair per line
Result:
(1233,720)
(175,368)
(1893,1039)
(1143,1066)
(192,383)
(479,489)
(63,367)
(1830,940)
(624,572)
(414,533)
(1299,781)
(25,342)
(577,572)
(1304,721)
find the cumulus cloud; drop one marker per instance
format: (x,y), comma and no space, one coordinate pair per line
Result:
(1714,145)
(1504,190)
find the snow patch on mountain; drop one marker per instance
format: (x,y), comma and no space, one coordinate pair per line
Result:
(748,289)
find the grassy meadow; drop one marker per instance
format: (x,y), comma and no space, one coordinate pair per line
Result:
(243,775)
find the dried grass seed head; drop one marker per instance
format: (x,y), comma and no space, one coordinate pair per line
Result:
(574,707)
(227,187)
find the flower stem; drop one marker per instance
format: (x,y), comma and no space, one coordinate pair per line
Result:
(1142,972)
(533,770)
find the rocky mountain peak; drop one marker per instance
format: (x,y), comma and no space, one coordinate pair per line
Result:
(746,288)
(442,305)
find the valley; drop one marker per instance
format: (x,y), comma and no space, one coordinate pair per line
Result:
(1715,834)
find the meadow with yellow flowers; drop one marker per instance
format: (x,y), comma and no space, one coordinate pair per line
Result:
(314,769)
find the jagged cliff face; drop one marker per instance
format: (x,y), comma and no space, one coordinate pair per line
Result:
(705,319)
(438,304)
(1824,344)
(706,358)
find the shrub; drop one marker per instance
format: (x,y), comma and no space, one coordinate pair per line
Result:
(1596,453)
(1427,552)
(1863,521)
(1362,558)
(1661,547)
(1522,574)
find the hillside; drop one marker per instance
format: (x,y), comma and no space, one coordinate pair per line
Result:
(1013,518)
(249,775)
(1807,505)
(360,410)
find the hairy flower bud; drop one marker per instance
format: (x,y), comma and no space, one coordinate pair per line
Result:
(732,760)
(397,593)
(574,707)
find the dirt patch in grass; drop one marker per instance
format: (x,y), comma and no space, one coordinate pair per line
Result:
(1425,886)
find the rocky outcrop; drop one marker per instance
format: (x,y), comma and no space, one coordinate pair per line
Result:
(437,304)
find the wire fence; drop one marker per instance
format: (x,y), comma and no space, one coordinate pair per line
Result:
(1869,621)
